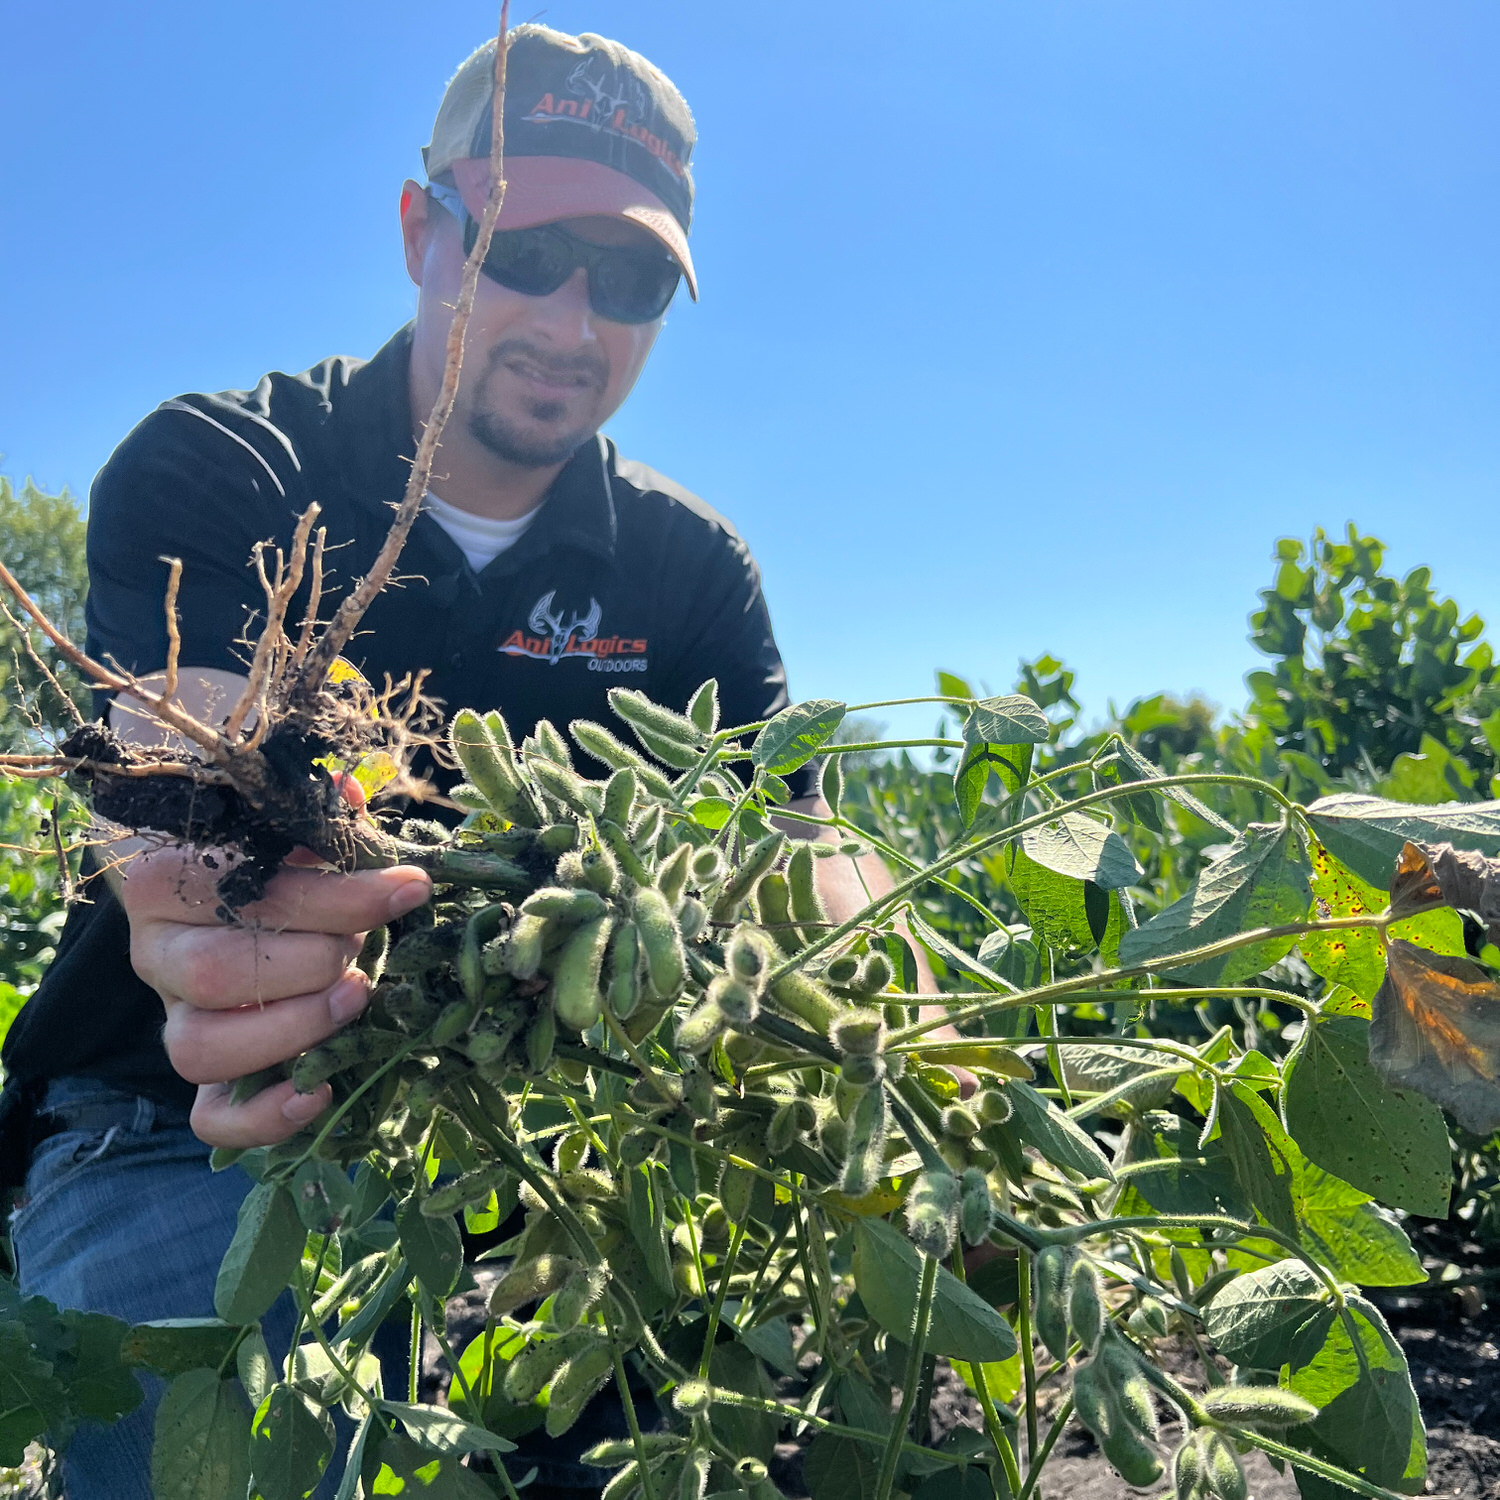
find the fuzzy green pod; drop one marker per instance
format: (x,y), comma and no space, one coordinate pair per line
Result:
(976,1214)
(1138,1464)
(707,868)
(1091,1399)
(862,1070)
(1149,1320)
(472,1187)
(671,879)
(858,1033)
(801,878)
(993,1106)
(1187,1469)
(523,948)
(558,838)
(1049,1299)
(703,707)
(579,1294)
(1085,1302)
(693,1397)
(552,744)
(661,942)
(539,1361)
(772,904)
(601,871)
(624,992)
(624,1483)
(574,1387)
(620,792)
(565,786)
(491,768)
(932,1213)
(806,999)
(419,953)
(701,1027)
(1181,1277)
(575,983)
(1258,1406)
(597,741)
(748,957)
(736,1189)
(660,723)
(781,1129)
(875,974)
(1223,1474)
(958,1123)
(1131,1389)
(616,1451)
(692,918)
(571,904)
(541,1038)
(530,1281)
(864,1146)
(618,842)
(841,971)
(486,1047)
(453,1020)
(479,929)
(736,1000)
(758,859)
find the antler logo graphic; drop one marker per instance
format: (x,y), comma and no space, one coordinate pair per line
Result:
(610,89)
(548,622)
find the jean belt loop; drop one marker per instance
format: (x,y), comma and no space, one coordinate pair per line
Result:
(145,1115)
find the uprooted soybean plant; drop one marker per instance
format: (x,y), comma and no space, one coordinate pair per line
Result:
(748,1179)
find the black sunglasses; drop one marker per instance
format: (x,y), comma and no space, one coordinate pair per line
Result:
(626,285)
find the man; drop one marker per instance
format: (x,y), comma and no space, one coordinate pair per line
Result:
(545,569)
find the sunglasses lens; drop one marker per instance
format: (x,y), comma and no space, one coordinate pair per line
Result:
(531,261)
(628,287)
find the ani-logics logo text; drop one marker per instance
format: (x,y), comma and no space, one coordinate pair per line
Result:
(578,640)
(606,98)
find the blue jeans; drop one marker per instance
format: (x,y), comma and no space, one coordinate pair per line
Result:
(121,1214)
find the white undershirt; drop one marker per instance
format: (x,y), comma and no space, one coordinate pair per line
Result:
(480,538)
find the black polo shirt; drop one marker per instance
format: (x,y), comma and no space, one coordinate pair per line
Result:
(623,578)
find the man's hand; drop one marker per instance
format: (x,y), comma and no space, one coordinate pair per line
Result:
(240,998)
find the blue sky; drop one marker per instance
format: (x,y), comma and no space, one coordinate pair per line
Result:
(1026,326)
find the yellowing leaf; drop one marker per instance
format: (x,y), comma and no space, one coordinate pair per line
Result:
(1001,1060)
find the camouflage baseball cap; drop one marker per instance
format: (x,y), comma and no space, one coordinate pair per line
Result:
(590,128)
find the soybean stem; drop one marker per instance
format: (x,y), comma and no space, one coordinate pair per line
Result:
(911,1380)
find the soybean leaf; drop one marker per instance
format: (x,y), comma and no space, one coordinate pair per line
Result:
(1009,720)
(202,1443)
(289,1446)
(258,1372)
(406,1469)
(971,1483)
(1353,958)
(354,1459)
(31,1396)
(1060,909)
(265,1251)
(733,1367)
(1369,1419)
(1134,766)
(772,1341)
(324,1195)
(484,1365)
(796,734)
(1011,763)
(953,956)
(1199,1180)
(1260,882)
(1389,1142)
(840,1468)
(1265,1168)
(1367,833)
(100,1385)
(1353,1235)
(888,1273)
(1085,849)
(377,1306)
(168,1346)
(1062,1141)
(433,1248)
(1267,1318)
(438,1428)
(1144,1076)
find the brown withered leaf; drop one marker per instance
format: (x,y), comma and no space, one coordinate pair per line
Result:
(1461,878)
(1436,1029)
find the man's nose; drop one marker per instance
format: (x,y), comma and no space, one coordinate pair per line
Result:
(566,313)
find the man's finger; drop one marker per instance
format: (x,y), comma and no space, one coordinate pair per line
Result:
(223,968)
(207,1046)
(271,1116)
(175,886)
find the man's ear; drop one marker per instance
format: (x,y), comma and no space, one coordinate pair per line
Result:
(415,209)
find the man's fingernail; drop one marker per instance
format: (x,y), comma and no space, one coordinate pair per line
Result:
(347,998)
(408,897)
(300,1108)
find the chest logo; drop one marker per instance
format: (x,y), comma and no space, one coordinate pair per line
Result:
(577,638)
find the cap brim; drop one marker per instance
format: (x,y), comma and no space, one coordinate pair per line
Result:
(543,189)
